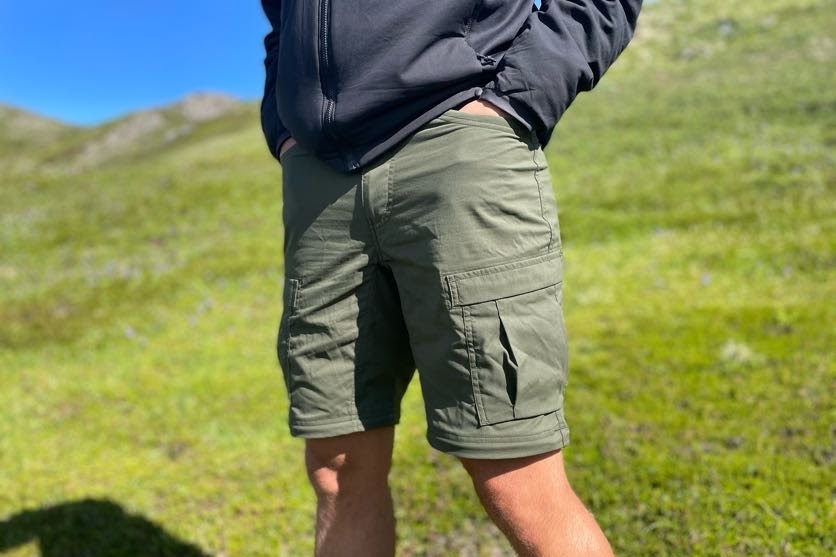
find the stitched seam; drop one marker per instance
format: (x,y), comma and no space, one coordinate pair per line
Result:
(364,184)
(446,287)
(389,189)
(294,305)
(540,195)
(295,296)
(451,436)
(467,27)
(454,291)
(352,419)
(536,260)
(473,364)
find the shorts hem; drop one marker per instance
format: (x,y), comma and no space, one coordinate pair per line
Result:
(499,447)
(341,427)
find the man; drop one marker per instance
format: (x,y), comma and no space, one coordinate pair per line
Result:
(421,231)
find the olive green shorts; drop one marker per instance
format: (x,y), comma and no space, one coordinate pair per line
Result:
(445,257)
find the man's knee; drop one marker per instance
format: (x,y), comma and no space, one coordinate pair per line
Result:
(353,463)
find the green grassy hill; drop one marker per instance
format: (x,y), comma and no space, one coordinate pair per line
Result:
(140,277)
(33,144)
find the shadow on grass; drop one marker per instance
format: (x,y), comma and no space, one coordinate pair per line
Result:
(94,528)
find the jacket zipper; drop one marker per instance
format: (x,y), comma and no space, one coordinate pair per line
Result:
(323,62)
(325,82)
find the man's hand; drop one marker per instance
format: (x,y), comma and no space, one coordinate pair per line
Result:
(286,144)
(479,106)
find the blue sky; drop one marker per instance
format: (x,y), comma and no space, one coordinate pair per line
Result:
(85,61)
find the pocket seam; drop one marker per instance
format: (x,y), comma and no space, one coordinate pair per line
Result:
(512,408)
(471,361)
(502,280)
(285,337)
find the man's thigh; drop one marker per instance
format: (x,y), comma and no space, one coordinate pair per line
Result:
(472,237)
(342,342)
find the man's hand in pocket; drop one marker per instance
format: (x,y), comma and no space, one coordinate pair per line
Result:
(480,106)
(286,144)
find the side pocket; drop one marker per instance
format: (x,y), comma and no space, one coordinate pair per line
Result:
(290,296)
(515,336)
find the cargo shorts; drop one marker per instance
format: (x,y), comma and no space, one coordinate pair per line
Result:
(443,257)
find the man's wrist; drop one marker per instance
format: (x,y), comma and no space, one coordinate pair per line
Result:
(280,149)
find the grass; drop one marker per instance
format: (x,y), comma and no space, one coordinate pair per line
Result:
(139,301)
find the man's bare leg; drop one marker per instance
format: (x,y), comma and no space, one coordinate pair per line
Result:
(349,474)
(532,503)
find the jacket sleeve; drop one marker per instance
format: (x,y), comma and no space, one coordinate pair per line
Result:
(274,131)
(563,48)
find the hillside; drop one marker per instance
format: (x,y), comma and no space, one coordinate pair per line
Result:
(140,290)
(33,144)
(23,135)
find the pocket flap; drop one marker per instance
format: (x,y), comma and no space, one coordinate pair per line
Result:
(507,279)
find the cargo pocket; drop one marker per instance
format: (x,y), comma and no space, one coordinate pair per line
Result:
(515,336)
(290,302)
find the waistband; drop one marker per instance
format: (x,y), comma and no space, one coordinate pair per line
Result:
(498,121)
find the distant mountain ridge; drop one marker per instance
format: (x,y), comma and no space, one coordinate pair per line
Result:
(28,140)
